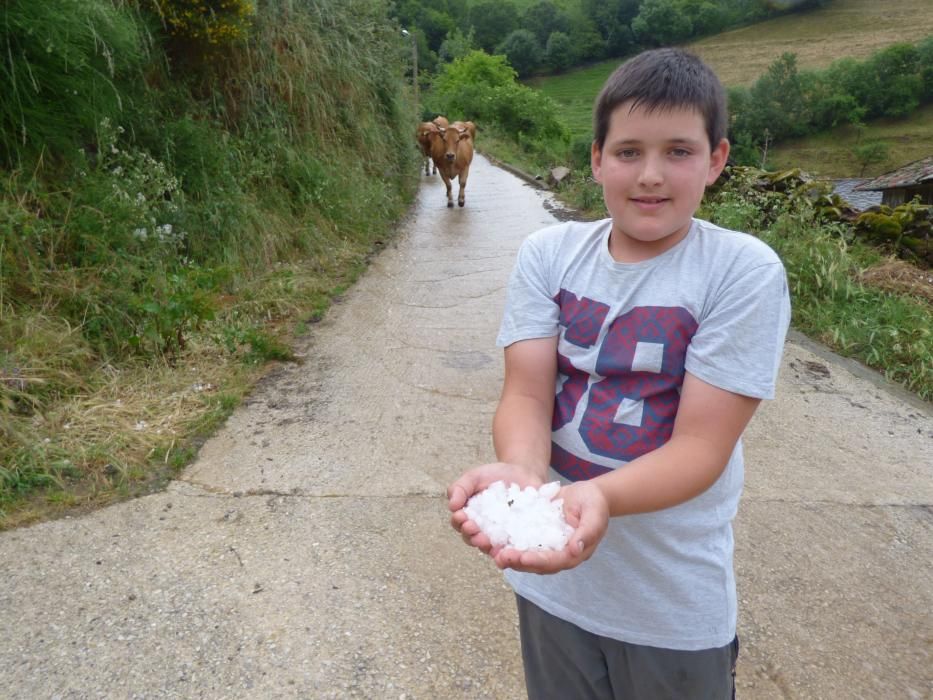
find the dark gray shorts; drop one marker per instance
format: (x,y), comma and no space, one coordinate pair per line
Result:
(565,662)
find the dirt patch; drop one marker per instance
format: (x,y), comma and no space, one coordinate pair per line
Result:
(902,278)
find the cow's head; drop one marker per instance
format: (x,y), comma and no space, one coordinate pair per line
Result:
(452,137)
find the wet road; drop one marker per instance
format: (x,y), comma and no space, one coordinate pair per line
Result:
(306,554)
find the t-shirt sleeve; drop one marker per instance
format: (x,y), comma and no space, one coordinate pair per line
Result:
(531,310)
(738,344)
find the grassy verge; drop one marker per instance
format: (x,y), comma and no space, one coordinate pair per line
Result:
(124,429)
(159,254)
(845,294)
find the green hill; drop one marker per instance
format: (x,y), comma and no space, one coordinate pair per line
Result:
(831,153)
(844,28)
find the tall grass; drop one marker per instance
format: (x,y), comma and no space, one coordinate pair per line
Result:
(199,202)
(64,66)
(888,331)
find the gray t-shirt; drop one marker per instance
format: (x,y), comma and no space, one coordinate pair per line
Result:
(715,305)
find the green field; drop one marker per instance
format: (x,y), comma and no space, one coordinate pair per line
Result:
(845,28)
(842,29)
(575,91)
(830,154)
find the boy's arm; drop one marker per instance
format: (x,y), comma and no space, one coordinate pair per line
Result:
(709,422)
(521,431)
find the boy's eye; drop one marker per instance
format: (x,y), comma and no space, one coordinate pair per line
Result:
(628,153)
(680,152)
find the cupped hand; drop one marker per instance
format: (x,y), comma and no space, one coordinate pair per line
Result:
(587,511)
(476,480)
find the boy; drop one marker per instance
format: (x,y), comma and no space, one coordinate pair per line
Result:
(659,334)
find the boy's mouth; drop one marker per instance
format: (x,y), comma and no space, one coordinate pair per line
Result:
(649,201)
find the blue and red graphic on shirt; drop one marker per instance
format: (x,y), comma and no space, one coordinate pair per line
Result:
(649,391)
(581,319)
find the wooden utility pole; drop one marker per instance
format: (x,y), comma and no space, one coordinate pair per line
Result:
(414,63)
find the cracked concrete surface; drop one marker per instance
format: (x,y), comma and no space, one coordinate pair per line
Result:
(306,553)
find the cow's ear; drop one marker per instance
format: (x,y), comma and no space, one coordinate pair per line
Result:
(463,135)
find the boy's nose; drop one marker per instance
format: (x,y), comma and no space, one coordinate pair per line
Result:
(651,173)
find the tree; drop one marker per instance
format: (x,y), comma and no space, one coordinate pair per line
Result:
(559,53)
(778,100)
(707,17)
(612,18)
(456,45)
(436,26)
(544,18)
(891,83)
(830,105)
(588,42)
(870,153)
(522,49)
(492,21)
(925,61)
(660,22)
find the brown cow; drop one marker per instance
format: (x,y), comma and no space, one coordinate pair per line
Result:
(424,135)
(452,152)
(470,126)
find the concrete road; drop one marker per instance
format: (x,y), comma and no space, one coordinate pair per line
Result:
(306,554)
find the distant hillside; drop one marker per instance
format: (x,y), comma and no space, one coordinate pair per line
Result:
(844,28)
(831,154)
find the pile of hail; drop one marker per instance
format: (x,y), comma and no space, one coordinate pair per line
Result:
(522,519)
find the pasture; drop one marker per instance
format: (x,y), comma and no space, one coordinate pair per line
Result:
(845,28)
(830,154)
(842,29)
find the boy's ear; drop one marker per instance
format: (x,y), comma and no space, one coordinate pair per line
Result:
(596,161)
(717,161)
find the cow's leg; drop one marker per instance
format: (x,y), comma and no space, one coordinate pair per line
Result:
(450,196)
(426,166)
(461,197)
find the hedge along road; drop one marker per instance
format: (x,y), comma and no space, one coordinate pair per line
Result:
(306,553)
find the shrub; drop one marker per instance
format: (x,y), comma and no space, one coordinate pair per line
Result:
(210,22)
(477,68)
(878,226)
(483,89)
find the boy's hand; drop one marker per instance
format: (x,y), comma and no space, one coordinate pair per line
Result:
(476,480)
(586,509)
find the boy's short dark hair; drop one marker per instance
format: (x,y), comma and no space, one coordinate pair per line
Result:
(664,79)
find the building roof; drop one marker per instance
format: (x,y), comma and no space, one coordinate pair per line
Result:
(915,173)
(848,189)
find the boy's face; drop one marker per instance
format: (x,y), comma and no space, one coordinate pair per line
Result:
(654,168)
